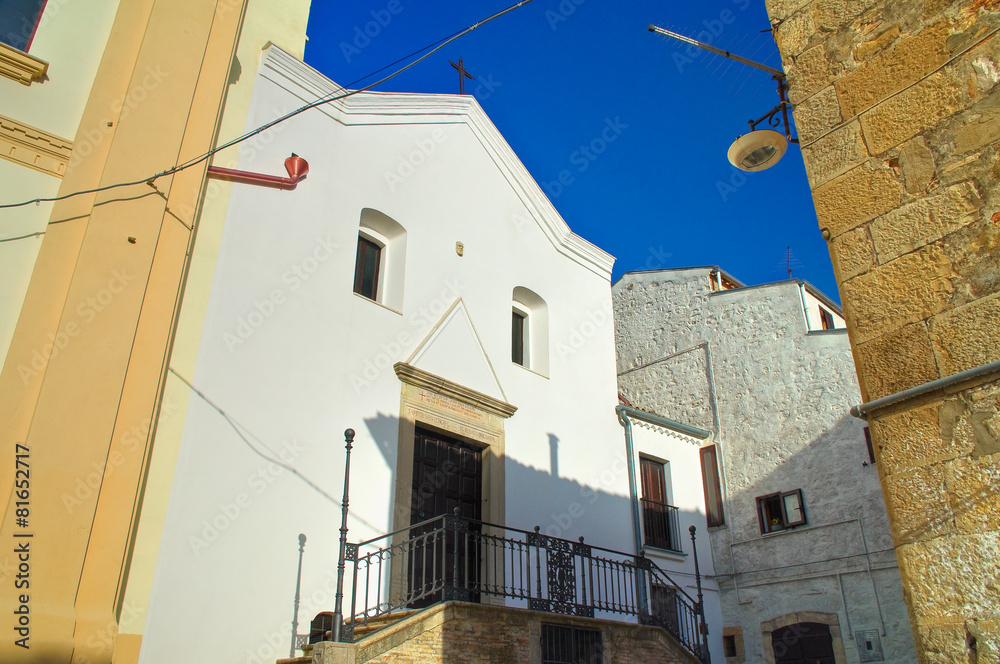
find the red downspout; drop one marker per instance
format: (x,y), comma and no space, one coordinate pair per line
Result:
(296,166)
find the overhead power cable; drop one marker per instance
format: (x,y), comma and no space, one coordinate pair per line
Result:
(333,96)
(266,454)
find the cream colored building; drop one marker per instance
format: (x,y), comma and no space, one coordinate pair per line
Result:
(44,92)
(92,284)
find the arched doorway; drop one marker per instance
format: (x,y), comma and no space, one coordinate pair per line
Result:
(803,637)
(803,643)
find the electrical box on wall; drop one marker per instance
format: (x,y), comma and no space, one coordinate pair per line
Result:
(869,645)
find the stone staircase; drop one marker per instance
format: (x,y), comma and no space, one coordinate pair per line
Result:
(460,632)
(360,632)
(387,620)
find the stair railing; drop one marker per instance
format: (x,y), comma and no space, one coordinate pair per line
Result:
(455,558)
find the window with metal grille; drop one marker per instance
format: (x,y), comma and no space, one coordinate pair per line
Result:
(663,601)
(563,644)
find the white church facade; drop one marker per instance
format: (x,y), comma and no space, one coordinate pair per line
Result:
(419,288)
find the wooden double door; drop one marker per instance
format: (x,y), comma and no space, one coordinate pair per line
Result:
(447,476)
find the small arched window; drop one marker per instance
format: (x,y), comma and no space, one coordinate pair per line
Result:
(381,259)
(529,337)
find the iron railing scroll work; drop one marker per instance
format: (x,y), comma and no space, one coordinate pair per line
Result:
(455,558)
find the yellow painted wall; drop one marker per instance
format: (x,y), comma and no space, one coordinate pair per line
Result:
(71,37)
(283,24)
(54,105)
(108,275)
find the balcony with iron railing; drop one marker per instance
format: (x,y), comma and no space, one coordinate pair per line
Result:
(661,526)
(455,558)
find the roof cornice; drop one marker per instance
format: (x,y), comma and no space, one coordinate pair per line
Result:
(658,421)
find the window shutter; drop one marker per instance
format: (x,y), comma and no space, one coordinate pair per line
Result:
(712,485)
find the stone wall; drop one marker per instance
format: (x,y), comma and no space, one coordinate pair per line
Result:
(898,112)
(783,397)
(460,633)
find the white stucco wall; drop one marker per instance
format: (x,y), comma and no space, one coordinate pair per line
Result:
(294,357)
(684,489)
(783,397)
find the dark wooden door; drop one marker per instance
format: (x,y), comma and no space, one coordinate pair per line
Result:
(655,510)
(803,643)
(447,474)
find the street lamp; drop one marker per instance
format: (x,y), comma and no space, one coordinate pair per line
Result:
(759,149)
(338,611)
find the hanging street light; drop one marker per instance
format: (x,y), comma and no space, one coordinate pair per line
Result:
(759,149)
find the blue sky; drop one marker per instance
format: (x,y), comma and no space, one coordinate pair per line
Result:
(554,74)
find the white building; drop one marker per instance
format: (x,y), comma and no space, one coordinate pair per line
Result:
(800,538)
(419,288)
(669,500)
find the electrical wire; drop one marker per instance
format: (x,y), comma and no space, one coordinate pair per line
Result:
(245,435)
(813,562)
(436,46)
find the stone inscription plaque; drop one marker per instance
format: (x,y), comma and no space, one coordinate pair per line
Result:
(449,424)
(439,401)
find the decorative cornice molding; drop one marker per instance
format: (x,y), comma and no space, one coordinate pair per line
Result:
(20,66)
(419,378)
(34,148)
(662,424)
(301,80)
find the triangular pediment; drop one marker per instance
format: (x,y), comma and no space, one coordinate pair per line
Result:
(453,350)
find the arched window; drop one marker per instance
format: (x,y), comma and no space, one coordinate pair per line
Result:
(529,337)
(381,259)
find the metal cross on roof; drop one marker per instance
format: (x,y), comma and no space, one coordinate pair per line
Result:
(462,75)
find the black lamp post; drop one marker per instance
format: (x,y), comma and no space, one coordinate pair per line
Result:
(298,585)
(338,607)
(706,657)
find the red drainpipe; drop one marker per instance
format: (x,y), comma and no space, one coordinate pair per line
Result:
(296,166)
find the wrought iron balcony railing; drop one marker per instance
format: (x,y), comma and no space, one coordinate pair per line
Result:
(454,558)
(660,524)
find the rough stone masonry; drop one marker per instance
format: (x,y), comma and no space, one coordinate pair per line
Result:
(897,106)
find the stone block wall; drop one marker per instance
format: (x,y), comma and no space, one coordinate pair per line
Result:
(897,106)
